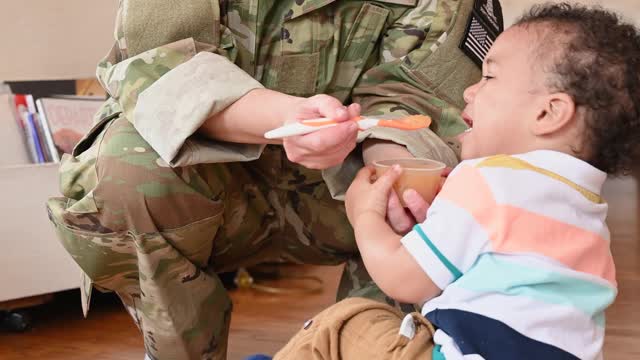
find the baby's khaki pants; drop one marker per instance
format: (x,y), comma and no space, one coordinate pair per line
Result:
(358,328)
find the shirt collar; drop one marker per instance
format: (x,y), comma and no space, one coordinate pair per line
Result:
(573,169)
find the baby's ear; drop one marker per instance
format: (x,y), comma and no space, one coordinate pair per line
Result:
(557,111)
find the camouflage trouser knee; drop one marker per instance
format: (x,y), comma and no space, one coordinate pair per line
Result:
(157,235)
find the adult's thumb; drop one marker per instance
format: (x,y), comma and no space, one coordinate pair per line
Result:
(416,204)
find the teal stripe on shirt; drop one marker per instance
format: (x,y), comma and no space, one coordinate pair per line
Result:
(492,274)
(452,268)
(436,354)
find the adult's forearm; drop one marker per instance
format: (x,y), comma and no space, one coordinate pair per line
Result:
(375,149)
(246,120)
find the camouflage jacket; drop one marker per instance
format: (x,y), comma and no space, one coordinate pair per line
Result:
(175,63)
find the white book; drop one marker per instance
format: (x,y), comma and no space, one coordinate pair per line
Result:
(48,135)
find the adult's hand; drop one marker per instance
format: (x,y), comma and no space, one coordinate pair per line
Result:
(328,147)
(403,219)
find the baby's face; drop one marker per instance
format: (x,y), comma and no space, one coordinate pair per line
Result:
(501,107)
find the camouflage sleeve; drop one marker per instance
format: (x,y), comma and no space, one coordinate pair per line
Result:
(422,71)
(419,70)
(168,81)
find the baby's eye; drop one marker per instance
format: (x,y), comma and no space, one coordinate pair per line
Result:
(486,77)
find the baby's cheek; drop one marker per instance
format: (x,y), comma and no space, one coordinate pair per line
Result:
(466,151)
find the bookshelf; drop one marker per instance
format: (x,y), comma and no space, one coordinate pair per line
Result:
(42,40)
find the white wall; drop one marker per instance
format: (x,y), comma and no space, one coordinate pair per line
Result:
(54,39)
(65,39)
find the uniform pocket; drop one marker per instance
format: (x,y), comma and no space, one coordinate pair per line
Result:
(78,175)
(90,137)
(361,40)
(326,50)
(110,258)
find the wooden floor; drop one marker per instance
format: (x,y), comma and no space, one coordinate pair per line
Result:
(262,323)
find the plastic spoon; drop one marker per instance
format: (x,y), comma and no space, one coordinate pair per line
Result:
(302,127)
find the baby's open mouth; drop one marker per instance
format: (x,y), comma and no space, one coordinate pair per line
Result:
(467,119)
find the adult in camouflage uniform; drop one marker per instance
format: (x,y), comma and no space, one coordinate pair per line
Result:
(175,183)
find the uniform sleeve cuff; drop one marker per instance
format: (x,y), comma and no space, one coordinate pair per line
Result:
(420,143)
(174,107)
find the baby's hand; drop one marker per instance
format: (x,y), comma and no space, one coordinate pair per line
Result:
(367,198)
(402,221)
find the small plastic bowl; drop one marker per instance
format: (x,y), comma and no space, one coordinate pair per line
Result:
(421,175)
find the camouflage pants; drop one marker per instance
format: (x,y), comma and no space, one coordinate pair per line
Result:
(158,235)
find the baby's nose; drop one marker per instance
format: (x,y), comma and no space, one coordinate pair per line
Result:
(470,93)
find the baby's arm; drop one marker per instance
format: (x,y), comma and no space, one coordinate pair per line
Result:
(391,267)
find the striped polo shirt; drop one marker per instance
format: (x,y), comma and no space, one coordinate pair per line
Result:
(520,248)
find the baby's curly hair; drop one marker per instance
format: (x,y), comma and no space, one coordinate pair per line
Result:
(596,60)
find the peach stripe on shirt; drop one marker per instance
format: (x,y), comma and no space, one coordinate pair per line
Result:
(516,230)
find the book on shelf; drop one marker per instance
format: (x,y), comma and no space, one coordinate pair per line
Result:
(12,134)
(66,120)
(52,126)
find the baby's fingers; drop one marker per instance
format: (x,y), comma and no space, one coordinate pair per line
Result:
(385,182)
(364,175)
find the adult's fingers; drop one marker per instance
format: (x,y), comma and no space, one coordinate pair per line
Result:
(329,138)
(328,158)
(397,217)
(416,204)
(330,107)
(353,110)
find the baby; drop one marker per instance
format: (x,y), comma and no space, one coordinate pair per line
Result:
(513,259)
